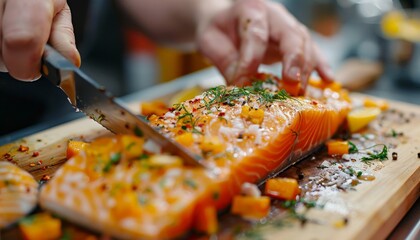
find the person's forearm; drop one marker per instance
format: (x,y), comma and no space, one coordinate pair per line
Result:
(172,21)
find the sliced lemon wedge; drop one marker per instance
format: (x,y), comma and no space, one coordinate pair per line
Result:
(360,117)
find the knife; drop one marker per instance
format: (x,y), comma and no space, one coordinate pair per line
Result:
(88,96)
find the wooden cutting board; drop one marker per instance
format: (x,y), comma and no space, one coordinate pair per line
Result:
(377,206)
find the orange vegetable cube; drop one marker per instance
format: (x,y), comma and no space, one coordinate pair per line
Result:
(155,107)
(379,103)
(319,83)
(132,145)
(206,219)
(185,139)
(256,116)
(282,188)
(74,148)
(336,147)
(245,111)
(212,145)
(40,226)
(251,207)
(293,88)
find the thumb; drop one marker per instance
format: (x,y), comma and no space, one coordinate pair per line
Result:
(62,36)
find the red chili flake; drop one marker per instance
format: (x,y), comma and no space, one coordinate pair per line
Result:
(31,164)
(45,178)
(35,154)
(201,124)
(194,109)
(221,114)
(134,187)
(104,187)
(23,148)
(314,102)
(8,157)
(44,168)
(39,162)
(190,101)
(171,109)
(177,113)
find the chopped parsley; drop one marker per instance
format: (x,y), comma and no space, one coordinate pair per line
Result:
(115,158)
(353,148)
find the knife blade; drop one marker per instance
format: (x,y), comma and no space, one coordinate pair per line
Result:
(88,96)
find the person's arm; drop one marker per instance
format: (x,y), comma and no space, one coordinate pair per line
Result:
(237,36)
(26,25)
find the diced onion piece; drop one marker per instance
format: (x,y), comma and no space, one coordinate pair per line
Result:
(282,188)
(251,207)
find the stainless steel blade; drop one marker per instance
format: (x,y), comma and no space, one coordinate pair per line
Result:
(93,100)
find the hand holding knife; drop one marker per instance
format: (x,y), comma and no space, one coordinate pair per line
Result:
(93,100)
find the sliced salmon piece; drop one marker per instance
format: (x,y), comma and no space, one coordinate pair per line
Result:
(243,133)
(18,193)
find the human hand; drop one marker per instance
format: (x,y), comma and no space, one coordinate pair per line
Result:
(250,32)
(25,27)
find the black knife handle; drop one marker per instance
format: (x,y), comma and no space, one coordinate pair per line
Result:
(53,64)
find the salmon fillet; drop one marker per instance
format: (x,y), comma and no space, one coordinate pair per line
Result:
(117,187)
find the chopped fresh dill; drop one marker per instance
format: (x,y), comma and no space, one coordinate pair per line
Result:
(381,156)
(353,148)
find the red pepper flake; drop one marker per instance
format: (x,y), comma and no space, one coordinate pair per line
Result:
(104,187)
(134,187)
(23,148)
(44,168)
(8,157)
(314,102)
(39,162)
(45,178)
(177,113)
(194,109)
(171,109)
(35,154)
(201,124)
(221,114)
(188,126)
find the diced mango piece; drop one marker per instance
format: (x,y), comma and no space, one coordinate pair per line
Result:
(336,147)
(164,161)
(282,188)
(360,117)
(132,145)
(256,116)
(185,139)
(318,83)
(206,221)
(379,103)
(40,226)
(251,207)
(212,145)
(154,107)
(74,148)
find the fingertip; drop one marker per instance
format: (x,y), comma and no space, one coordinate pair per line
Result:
(292,74)
(325,73)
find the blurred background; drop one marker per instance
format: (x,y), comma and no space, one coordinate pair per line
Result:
(372,45)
